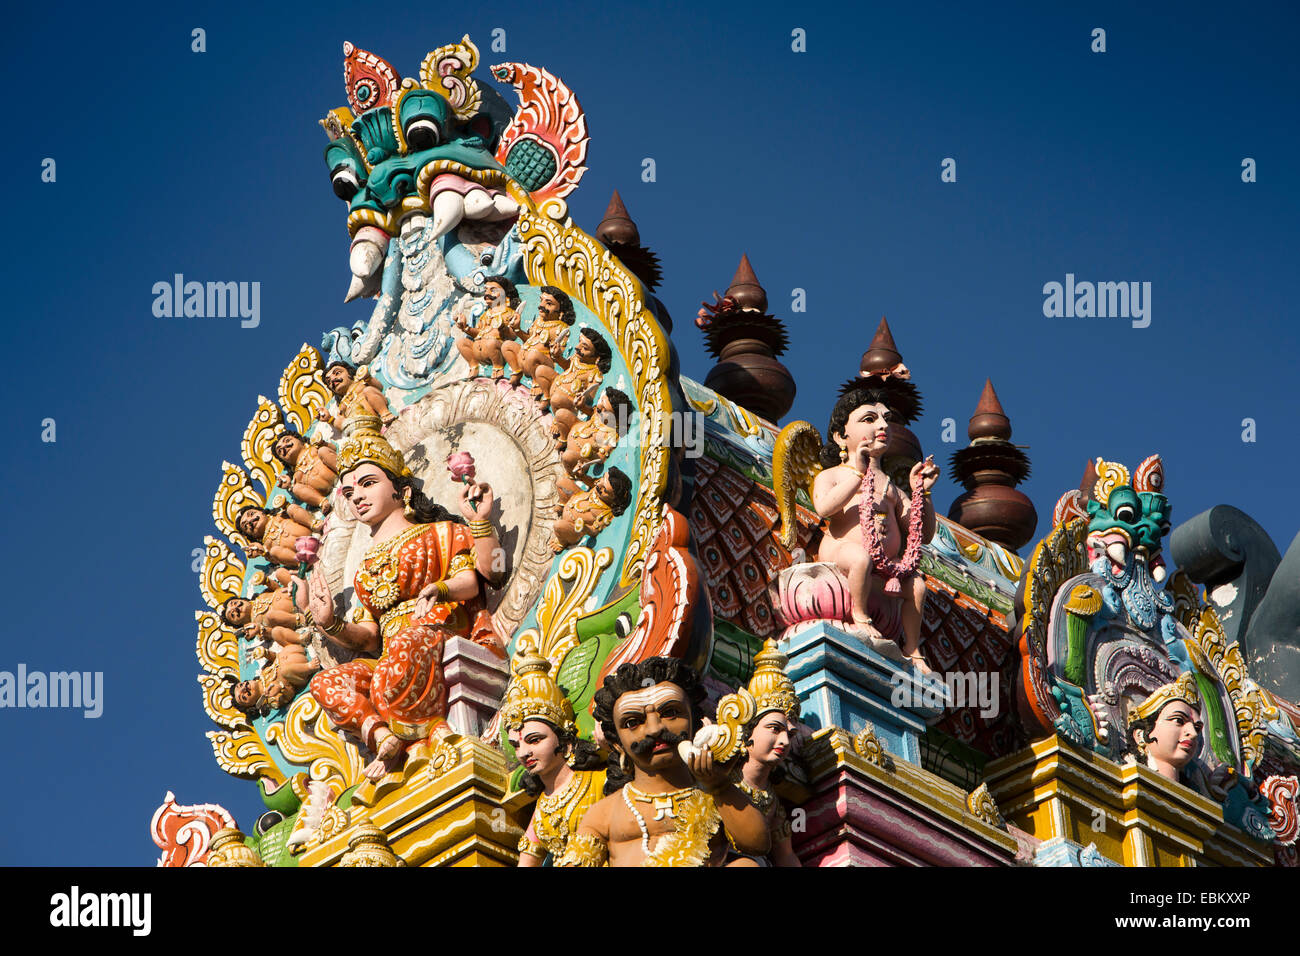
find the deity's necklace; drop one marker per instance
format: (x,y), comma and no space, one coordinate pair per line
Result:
(881,564)
(665,806)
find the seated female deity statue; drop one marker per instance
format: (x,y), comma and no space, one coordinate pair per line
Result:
(499,323)
(873,532)
(274,531)
(311,469)
(767,741)
(419,584)
(1166,728)
(270,614)
(564,772)
(548,337)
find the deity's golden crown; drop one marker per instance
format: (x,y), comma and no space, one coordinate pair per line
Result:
(770,687)
(533,693)
(1183,689)
(362,444)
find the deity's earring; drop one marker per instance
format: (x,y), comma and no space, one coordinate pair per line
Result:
(844,454)
(406,504)
(622,763)
(1140,741)
(571,758)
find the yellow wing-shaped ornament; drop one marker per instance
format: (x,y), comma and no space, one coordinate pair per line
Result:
(796,461)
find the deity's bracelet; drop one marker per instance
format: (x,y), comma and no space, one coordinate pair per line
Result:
(481,529)
(335,627)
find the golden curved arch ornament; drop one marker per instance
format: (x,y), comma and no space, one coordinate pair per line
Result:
(1251,707)
(302,389)
(564,601)
(241,753)
(567,257)
(259,437)
(222,574)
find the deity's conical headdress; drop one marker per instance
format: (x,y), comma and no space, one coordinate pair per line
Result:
(770,687)
(533,693)
(363,444)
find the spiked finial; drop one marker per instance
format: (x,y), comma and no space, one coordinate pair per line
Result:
(989,421)
(617,226)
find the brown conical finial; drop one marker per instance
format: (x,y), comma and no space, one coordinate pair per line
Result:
(745,290)
(881,355)
(617,226)
(990,467)
(989,421)
(1089,480)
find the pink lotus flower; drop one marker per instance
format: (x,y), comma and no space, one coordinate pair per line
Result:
(307,549)
(461,466)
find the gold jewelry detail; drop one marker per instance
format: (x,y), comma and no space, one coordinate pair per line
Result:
(407,510)
(531,847)
(335,627)
(378,572)
(481,528)
(441,593)
(533,693)
(557,816)
(844,455)
(362,444)
(1183,689)
(696,820)
(585,850)
(762,799)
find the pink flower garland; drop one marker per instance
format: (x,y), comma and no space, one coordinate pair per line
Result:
(881,565)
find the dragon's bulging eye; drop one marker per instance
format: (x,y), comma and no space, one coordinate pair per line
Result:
(345,183)
(1125,513)
(422,133)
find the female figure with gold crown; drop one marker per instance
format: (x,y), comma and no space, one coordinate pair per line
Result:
(767,741)
(418,585)
(564,772)
(1166,727)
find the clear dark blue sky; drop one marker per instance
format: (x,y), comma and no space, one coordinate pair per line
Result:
(824,166)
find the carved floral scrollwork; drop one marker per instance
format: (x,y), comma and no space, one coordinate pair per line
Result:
(259,436)
(233,493)
(242,754)
(222,574)
(302,389)
(871,748)
(980,802)
(305,737)
(217,647)
(564,601)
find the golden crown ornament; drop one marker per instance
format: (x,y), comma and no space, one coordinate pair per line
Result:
(1183,689)
(363,444)
(770,687)
(534,695)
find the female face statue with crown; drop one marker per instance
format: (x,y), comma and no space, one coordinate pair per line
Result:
(419,584)
(1166,727)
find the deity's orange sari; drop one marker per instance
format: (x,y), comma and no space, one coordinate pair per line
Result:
(404,689)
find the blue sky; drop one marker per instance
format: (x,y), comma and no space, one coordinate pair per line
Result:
(823,166)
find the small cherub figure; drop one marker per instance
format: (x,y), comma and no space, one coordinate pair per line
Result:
(311,470)
(548,337)
(570,392)
(273,532)
(879,554)
(590,442)
(482,342)
(356,395)
(591,512)
(271,613)
(276,684)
